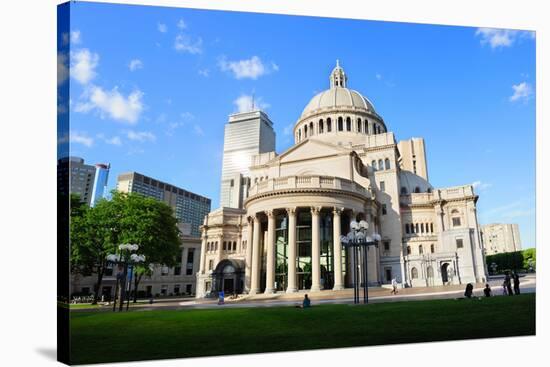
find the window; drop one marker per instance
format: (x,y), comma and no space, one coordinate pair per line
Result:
(299,135)
(321,127)
(416,228)
(429,190)
(382,186)
(234,246)
(329,125)
(188,288)
(403,190)
(430,272)
(384,209)
(359,125)
(232,183)
(421,227)
(408,250)
(432,248)
(459,243)
(177,270)
(456,222)
(387,163)
(311,128)
(340,124)
(210,264)
(380,164)
(348,124)
(305,131)
(164,270)
(420,250)
(386,245)
(164,290)
(431,227)
(176,289)
(388,273)
(374,129)
(417,190)
(407,228)
(414,273)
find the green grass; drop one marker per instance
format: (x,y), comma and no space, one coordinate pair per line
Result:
(138,335)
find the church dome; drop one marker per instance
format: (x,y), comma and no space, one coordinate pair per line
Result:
(412,183)
(338,96)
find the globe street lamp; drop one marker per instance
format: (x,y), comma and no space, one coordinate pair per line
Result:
(358,241)
(127,259)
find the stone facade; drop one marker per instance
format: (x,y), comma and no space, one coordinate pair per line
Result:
(500,237)
(345,165)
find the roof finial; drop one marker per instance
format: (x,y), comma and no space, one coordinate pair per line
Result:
(337,63)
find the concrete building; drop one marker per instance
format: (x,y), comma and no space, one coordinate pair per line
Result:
(88,181)
(500,237)
(246,135)
(345,165)
(189,208)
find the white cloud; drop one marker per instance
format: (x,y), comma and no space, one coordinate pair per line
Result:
(115,140)
(378,76)
(198,130)
(162,28)
(81,138)
(252,68)
(141,136)
(522,91)
(480,186)
(204,72)
(62,68)
(75,37)
(83,64)
(246,103)
(181,24)
(288,129)
(135,64)
(184,43)
(501,37)
(112,104)
(187,116)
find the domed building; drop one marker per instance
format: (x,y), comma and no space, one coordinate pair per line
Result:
(282,215)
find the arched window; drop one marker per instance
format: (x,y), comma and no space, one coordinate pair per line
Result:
(417,189)
(406,227)
(234,246)
(421,227)
(429,190)
(432,248)
(408,250)
(380,165)
(359,125)
(373,164)
(432,227)
(387,163)
(366,126)
(340,124)
(329,125)
(299,135)
(305,131)
(414,273)
(348,124)
(420,250)
(430,272)
(403,190)
(311,128)
(416,228)
(321,127)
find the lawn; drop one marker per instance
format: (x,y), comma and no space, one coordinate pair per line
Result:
(139,335)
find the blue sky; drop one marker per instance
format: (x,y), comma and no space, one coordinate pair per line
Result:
(151,89)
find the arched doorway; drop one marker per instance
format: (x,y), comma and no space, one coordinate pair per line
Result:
(445,273)
(228,276)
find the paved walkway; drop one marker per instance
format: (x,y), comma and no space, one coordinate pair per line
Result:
(376,295)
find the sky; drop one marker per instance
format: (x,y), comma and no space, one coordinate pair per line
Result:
(151,89)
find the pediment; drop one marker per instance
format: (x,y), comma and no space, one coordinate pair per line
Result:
(311,149)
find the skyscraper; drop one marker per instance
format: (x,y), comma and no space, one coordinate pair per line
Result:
(100,182)
(189,208)
(246,134)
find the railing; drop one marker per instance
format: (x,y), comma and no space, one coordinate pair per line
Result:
(439,194)
(307,182)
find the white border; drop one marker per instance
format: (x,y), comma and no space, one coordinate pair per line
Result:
(27,147)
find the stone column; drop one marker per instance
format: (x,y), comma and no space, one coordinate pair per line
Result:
(203,254)
(315,250)
(220,251)
(183,259)
(256,257)
(291,250)
(270,264)
(248,262)
(337,245)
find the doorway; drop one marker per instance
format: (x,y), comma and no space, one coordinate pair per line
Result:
(444,273)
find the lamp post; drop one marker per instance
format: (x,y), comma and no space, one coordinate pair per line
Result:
(127,259)
(358,242)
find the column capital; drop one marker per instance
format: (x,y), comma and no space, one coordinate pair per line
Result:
(291,210)
(250,219)
(269,213)
(315,210)
(337,211)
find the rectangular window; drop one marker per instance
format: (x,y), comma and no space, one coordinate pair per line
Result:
(210,264)
(188,288)
(177,270)
(459,243)
(384,210)
(382,186)
(164,270)
(386,245)
(177,289)
(190,255)
(388,273)
(456,222)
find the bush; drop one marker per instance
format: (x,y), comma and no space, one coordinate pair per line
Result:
(512,261)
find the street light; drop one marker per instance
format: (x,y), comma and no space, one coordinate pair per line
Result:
(126,258)
(358,241)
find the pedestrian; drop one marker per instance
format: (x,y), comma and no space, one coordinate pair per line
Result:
(221,298)
(487,291)
(516,283)
(307,302)
(469,290)
(504,291)
(393,286)
(508,282)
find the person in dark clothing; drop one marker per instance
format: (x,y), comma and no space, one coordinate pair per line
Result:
(508,283)
(307,302)
(516,283)
(487,291)
(469,290)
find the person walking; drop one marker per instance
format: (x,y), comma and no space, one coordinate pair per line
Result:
(508,283)
(516,283)
(393,286)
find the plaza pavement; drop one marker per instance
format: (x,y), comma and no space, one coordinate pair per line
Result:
(376,295)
